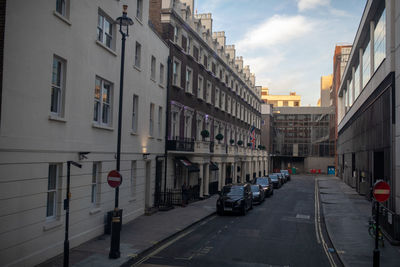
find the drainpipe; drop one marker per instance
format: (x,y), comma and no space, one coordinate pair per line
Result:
(167,121)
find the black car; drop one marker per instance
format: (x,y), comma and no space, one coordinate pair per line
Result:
(266,184)
(235,198)
(281,177)
(286,172)
(275,180)
(258,193)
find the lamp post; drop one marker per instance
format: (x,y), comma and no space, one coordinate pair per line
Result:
(124,22)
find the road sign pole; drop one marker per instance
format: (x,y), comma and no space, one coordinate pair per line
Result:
(376,250)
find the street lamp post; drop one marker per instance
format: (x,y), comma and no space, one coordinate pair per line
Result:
(124,22)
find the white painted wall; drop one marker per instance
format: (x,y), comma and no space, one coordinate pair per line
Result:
(29,140)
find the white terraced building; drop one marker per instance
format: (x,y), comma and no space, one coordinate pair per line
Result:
(59,97)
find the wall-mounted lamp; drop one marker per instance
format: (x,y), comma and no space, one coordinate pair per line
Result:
(145,155)
(82,155)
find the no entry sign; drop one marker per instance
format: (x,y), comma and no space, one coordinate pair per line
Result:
(381,191)
(114,178)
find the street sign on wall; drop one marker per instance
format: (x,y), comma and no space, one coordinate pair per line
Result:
(381,191)
(114,178)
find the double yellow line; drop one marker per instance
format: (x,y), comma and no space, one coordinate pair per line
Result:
(318,231)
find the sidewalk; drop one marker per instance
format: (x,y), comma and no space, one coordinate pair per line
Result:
(137,236)
(346,215)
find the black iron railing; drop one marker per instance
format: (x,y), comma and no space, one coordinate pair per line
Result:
(173,197)
(181,144)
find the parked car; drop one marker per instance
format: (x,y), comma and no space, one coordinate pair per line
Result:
(276,182)
(266,184)
(286,172)
(281,177)
(258,193)
(235,198)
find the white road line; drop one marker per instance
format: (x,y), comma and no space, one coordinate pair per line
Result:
(320,236)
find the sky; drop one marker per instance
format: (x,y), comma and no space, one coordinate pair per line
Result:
(289,44)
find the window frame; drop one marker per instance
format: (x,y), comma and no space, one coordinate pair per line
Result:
(153,68)
(135,113)
(59,86)
(200,87)
(138,54)
(53,191)
(161,74)
(189,80)
(176,73)
(100,115)
(151,120)
(139,10)
(102,34)
(96,182)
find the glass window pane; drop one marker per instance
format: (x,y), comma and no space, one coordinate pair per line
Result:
(52,179)
(50,204)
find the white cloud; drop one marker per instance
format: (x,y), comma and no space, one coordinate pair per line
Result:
(303,5)
(277,30)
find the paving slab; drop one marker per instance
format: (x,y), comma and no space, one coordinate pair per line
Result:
(137,236)
(346,215)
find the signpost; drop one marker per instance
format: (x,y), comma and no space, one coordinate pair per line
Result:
(114,179)
(381,192)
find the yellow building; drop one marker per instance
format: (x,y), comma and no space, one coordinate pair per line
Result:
(326,85)
(291,100)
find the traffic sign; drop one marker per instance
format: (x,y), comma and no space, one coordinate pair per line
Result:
(381,191)
(114,178)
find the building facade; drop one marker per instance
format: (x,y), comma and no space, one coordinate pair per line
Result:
(300,138)
(340,58)
(368,108)
(213,103)
(291,100)
(326,87)
(61,104)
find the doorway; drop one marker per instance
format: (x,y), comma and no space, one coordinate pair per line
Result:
(147,197)
(379,166)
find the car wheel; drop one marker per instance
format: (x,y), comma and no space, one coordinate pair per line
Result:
(251,205)
(244,210)
(220,212)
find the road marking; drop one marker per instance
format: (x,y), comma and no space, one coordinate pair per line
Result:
(302,216)
(162,247)
(318,225)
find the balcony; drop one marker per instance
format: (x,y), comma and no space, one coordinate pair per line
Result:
(181,144)
(232,150)
(202,146)
(220,149)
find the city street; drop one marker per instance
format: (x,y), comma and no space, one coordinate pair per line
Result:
(279,232)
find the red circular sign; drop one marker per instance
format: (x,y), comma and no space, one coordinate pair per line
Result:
(381,191)
(114,178)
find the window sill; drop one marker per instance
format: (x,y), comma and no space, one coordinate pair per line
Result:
(52,225)
(188,92)
(177,86)
(150,137)
(139,20)
(54,117)
(137,68)
(161,86)
(134,133)
(153,80)
(106,48)
(132,200)
(159,139)
(99,126)
(62,18)
(94,211)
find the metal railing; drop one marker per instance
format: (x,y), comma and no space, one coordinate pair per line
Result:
(181,144)
(173,197)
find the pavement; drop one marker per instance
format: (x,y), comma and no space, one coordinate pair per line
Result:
(137,236)
(346,215)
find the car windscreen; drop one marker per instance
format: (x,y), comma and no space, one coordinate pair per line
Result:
(255,188)
(273,176)
(285,171)
(262,181)
(233,191)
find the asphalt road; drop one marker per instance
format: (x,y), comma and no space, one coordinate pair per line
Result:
(279,232)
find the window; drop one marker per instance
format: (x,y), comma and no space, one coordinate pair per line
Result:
(356,82)
(161,74)
(223,101)
(133,177)
(53,190)
(351,92)
(200,86)
(188,126)
(188,44)
(188,85)
(205,62)
(135,115)
(199,127)
(61,7)
(174,124)
(196,53)
(380,40)
(57,86)
(159,123)
(366,68)
(208,92)
(176,70)
(151,122)
(216,98)
(233,108)
(176,34)
(139,9)
(138,52)
(96,174)
(228,105)
(102,102)
(213,68)
(105,31)
(153,68)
